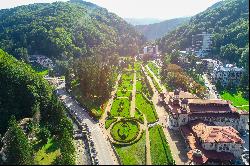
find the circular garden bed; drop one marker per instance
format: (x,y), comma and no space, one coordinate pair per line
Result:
(125,130)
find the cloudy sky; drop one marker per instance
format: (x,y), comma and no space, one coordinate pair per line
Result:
(161,9)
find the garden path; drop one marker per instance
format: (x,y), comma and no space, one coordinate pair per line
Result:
(148,156)
(174,139)
(164,90)
(109,105)
(132,108)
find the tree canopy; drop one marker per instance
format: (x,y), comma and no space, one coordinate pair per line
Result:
(228,22)
(65,29)
(24,93)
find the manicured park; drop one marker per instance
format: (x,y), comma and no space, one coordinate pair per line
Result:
(160,151)
(127,127)
(146,107)
(120,108)
(133,154)
(154,68)
(125,130)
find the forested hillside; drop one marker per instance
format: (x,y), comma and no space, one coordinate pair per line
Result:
(25,94)
(228,21)
(65,29)
(158,30)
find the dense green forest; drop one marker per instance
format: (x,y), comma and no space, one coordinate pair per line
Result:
(158,30)
(65,29)
(228,21)
(26,94)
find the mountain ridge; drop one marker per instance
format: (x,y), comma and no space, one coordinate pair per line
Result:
(65,29)
(157,30)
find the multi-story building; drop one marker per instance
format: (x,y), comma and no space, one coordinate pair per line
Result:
(152,51)
(208,143)
(215,137)
(209,65)
(201,44)
(229,74)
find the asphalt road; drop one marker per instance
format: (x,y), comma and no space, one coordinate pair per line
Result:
(105,153)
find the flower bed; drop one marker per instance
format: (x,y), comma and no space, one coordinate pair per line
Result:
(125,130)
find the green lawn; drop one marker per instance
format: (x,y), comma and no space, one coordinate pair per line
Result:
(123,93)
(142,87)
(139,115)
(236,99)
(157,86)
(138,86)
(154,68)
(137,65)
(159,148)
(120,108)
(127,76)
(47,154)
(125,131)
(125,84)
(133,154)
(146,108)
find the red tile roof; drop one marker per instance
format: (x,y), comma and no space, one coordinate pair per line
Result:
(193,142)
(212,134)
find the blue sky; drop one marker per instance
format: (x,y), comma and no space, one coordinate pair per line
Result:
(161,9)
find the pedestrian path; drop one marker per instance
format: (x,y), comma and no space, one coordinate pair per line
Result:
(172,137)
(132,109)
(148,153)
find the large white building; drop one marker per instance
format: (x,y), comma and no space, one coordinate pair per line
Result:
(210,64)
(228,74)
(201,44)
(151,50)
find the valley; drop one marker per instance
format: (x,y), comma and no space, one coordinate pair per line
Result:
(79,85)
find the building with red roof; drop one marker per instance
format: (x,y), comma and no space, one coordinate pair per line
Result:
(209,126)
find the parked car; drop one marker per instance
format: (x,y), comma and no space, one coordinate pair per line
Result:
(243,133)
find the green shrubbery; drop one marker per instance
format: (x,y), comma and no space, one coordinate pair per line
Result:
(159,148)
(120,108)
(23,93)
(146,108)
(125,130)
(139,115)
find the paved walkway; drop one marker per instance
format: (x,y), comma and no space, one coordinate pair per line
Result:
(148,156)
(132,108)
(212,94)
(242,106)
(164,90)
(174,138)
